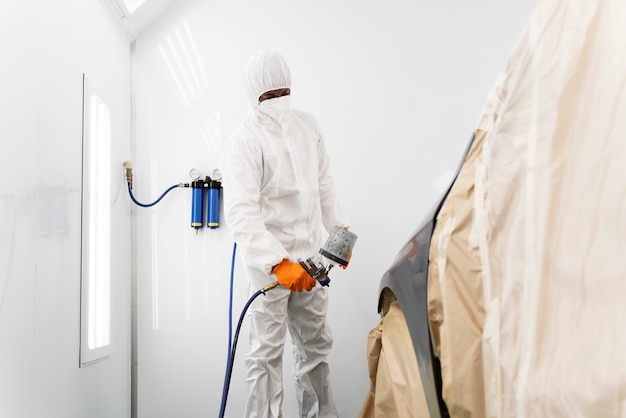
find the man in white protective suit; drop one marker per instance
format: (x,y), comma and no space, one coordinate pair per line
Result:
(278,197)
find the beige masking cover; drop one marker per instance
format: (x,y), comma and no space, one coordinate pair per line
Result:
(396,387)
(551,217)
(545,307)
(527,273)
(455,295)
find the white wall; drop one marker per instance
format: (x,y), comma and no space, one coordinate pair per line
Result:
(45,49)
(397,87)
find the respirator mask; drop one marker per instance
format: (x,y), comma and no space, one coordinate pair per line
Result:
(277,108)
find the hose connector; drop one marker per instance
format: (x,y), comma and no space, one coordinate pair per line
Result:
(129,172)
(269,287)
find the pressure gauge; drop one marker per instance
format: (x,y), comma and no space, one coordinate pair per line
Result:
(194,173)
(217,174)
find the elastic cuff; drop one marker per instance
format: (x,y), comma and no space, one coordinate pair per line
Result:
(276,265)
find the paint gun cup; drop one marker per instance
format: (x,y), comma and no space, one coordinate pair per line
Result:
(338,247)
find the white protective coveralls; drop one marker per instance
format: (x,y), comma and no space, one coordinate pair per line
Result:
(278,193)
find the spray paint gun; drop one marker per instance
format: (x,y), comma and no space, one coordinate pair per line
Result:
(336,250)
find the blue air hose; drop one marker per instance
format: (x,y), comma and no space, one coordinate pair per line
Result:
(231,355)
(230,300)
(144,205)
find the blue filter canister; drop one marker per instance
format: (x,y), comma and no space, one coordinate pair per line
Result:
(197,204)
(213,207)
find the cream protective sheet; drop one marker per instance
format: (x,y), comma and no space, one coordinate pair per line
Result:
(552,216)
(527,276)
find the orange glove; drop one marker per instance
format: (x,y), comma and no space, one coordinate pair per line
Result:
(346,266)
(293,276)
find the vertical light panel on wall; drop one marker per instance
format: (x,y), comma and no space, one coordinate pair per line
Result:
(95,304)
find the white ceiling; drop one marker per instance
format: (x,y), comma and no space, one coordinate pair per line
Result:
(135,15)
